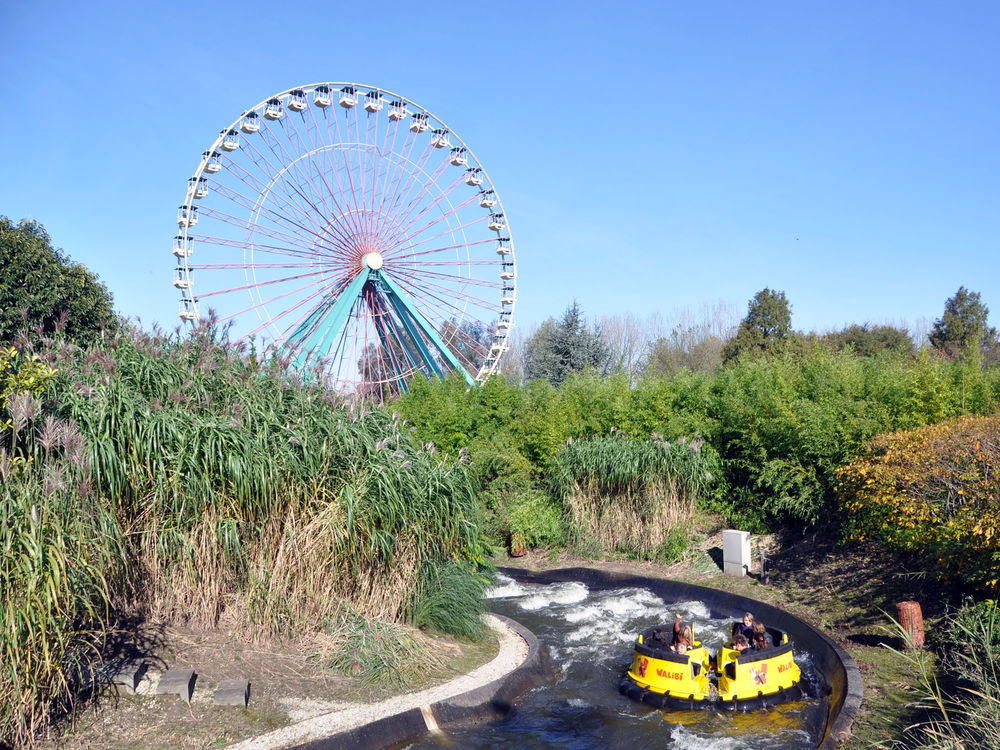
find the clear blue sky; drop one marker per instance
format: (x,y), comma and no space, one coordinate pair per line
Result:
(650,156)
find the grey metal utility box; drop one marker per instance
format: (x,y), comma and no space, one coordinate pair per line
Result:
(735,553)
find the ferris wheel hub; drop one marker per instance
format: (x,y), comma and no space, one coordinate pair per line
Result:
(373,261)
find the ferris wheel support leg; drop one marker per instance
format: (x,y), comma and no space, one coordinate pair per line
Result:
(385,339)
(398,296)
(329,319)
(404,315)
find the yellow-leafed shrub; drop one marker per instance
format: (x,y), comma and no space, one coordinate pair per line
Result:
(934,491)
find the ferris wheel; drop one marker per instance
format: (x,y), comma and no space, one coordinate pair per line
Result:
(349,228)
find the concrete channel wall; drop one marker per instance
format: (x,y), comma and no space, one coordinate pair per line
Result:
(494,700)
(836,666)
(485,703)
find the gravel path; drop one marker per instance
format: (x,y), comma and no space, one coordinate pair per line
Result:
(513,651)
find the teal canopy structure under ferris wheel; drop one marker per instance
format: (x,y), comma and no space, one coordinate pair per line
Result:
(350,228)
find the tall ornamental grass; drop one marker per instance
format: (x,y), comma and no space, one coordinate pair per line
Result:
(631,496)
(959,703)
(55,547)
(187,480)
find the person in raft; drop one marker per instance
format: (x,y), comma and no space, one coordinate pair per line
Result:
(683,641)
(761,638)
(677,629)
(745,628)
(740,642)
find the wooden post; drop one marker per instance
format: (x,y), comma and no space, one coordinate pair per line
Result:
(517,546)
(912,621)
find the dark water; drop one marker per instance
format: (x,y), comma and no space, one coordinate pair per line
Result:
(590,636)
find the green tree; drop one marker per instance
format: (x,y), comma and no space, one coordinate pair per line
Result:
(964,328)
(558,349)
(41,286)
(469,341)
(764,330)
(868,340)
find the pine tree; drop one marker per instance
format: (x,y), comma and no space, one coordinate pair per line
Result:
(558,349)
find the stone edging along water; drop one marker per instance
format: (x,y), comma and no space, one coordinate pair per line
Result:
(494,700)
(484,703)
(837,667)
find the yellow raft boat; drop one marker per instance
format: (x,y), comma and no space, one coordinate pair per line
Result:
(744,681)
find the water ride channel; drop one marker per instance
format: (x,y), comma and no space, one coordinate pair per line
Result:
(592,624)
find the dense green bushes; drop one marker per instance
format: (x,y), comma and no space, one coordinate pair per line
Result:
(933,492)
(781,425)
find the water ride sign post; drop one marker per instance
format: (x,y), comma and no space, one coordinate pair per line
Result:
(735,553)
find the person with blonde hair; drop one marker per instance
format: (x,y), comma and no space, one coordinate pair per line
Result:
(684,640)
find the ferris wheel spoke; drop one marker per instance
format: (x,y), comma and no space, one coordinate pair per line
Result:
(466,343)
(259,284)
(419,273)
(328,147)
(336,240)
(392,166)
(397,351)
(427,287)
(348,168)
(274,217)
(363,153)
(397,169)
(275,142)
(444,248)
(438,219)
(272,300)
(413,335)
(274,184)
(231,242)
(286,202)
(377,161)
(257,248)
(450,230)
(419,180)
(367,153)
(438,314)
(244,201)
(414,318)
(420,187)
(274,234)
(359,335)
(312,304)
(326,190)
(242,266)
(396,198)
(460,263)
(319,331)
(429,205)
(345,235)
(444,299)
(382,165)
(456,262)
(423,198)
